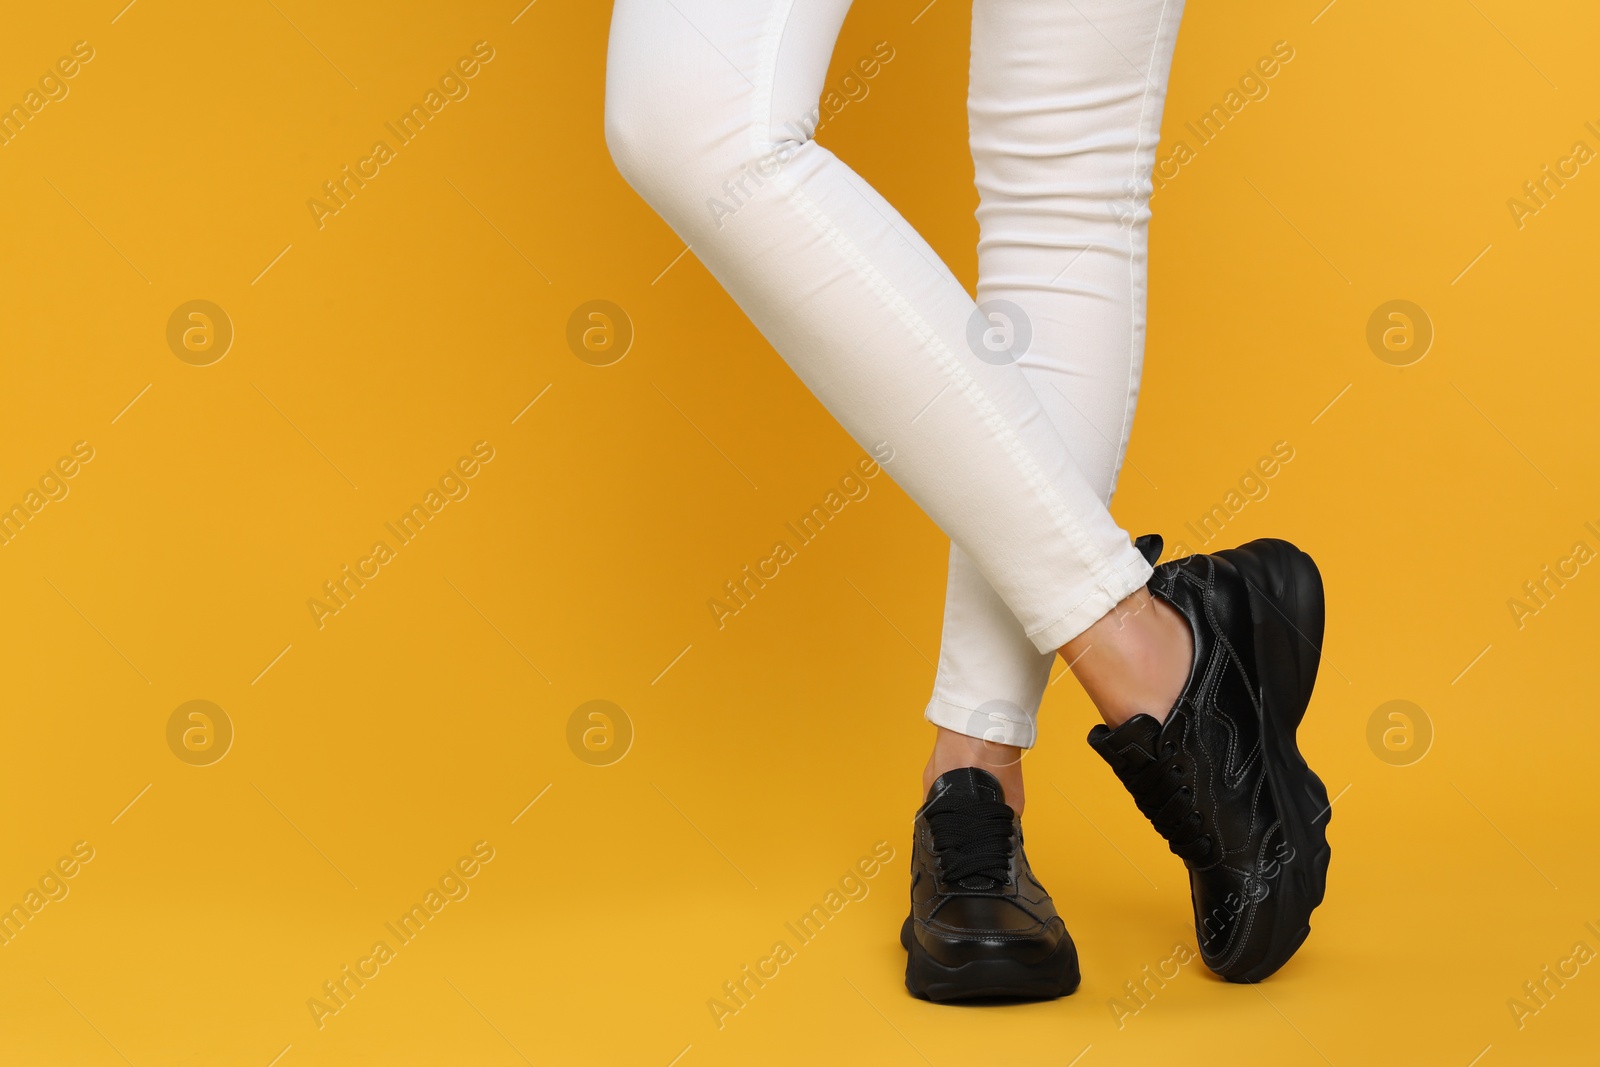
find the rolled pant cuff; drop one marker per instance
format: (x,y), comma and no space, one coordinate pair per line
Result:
(997,721)
(1128,574)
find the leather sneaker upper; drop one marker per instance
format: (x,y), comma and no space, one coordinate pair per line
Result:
(973,895)
(1204,777)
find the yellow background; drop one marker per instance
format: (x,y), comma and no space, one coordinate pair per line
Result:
(770,755)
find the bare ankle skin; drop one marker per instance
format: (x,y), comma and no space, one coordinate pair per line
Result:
(952,750)
(1134,660)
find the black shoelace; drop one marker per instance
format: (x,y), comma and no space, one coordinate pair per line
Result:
(973,837)
(1167,800)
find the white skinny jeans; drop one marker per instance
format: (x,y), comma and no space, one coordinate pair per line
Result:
(1006,418)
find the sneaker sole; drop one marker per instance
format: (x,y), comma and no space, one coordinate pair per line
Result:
(1054,976)
(1286,587)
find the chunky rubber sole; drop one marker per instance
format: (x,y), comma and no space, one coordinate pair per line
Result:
(1054,976)
(1286,602)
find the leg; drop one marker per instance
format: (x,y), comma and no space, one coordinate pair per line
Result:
(1065,112)
(709,114)
(1204,676)
(1062,127)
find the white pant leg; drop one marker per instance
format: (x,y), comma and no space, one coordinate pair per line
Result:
(704,96)
(1065,112)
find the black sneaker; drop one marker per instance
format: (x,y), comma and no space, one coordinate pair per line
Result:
(1222,779)
(980,925)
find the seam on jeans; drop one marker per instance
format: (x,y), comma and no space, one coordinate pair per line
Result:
(1131,390)
(1097,591)
(1100,591)
(946,622)
(770,46)
(945,701)
(1026,734)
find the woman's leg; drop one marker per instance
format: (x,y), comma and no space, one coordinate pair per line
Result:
(709,112)
(1065,112)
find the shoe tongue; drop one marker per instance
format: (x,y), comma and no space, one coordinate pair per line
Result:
(967,782)
(1141,731)
(1149,546)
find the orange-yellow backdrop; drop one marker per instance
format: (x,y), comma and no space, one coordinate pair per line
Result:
(374,747)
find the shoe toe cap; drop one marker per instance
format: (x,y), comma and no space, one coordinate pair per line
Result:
(967,929)
(1247,926)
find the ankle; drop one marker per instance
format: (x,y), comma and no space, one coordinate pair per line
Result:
(952,751)
(1134,660)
